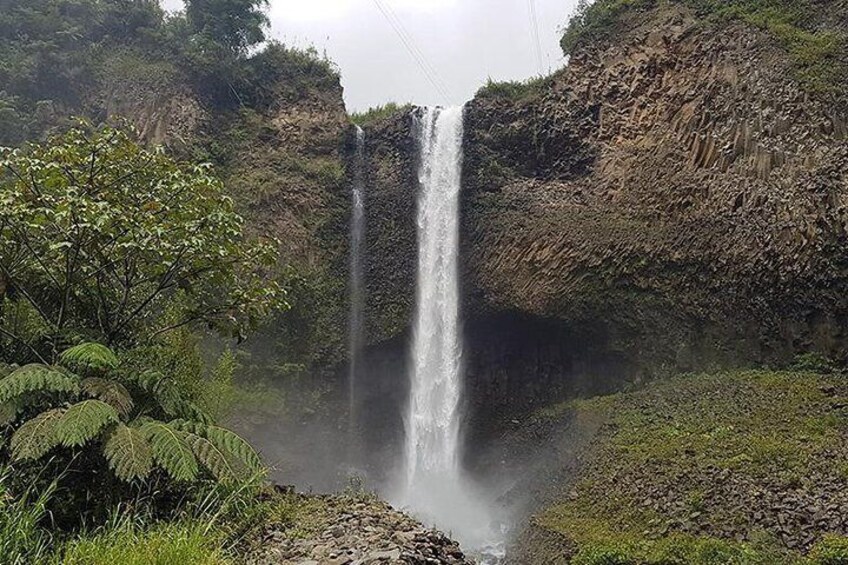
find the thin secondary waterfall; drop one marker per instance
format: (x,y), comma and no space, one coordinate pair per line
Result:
(357,287)
(432,421)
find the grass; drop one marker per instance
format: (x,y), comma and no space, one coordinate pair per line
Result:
(378,113)
(514,90)
(128,543)
(22,536)
(815,52)
(679,460)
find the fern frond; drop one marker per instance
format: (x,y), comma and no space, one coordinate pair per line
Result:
(166,393)
(37,436)
(225,440)
(171,450)
(89,357)
(110,392)
(82,422)
(219,463)
(128,452)
(37,378)
(6,369)
(9,412)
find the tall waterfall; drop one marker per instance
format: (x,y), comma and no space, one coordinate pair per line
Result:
(434,486)
(357,288)
(432,421)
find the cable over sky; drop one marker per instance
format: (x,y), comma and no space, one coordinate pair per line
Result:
(426,52)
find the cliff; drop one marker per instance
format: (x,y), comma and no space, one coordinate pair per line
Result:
(673,199)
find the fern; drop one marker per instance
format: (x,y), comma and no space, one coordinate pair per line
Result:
(225,440)
(128,452)
(36,378)
(171,450)
(82,422)
(168,397)
(89,357)
(110,392)
(218,462)
(37,436)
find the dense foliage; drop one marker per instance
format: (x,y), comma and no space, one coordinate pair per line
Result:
(98,236)
(138,420)
(58,55)
(815,48)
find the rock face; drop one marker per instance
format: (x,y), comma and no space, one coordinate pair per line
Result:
(678,186)
(364,532)
(670,201)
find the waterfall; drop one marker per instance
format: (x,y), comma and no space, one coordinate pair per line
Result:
(432,421)
(434,486)
(357,288)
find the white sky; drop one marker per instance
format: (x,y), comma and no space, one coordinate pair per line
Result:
(465,41)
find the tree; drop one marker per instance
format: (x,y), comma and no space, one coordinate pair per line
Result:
(99,235)
(138,420)
(236,24)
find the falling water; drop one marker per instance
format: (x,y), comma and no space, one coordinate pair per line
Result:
(357,293)
(435,488)
(432,423)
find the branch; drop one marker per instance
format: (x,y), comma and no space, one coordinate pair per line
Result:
(24,343)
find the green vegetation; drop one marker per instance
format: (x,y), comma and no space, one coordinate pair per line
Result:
(183,543)
(683,459)
(88,399)
(56,56)
(105,242)
(515,90)
(378,113)
(814,49)
(98,236)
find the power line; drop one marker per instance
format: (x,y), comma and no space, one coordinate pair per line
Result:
(534,26)
(411,41)
(429,72)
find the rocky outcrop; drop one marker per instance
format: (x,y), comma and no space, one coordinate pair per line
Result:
(363,531)
(678,187)
(674,198)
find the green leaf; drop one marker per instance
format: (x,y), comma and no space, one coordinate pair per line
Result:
(218,462)
(88,357)
(128,452)
(37,378)
(171,450)
(225,440)
(37,436)
(110,392)
(82,422)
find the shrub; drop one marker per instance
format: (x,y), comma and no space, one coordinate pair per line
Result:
(87,399)
(98,235)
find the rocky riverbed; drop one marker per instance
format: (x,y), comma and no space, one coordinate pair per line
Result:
(358,530)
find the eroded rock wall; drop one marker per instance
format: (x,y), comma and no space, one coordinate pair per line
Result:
(672,201)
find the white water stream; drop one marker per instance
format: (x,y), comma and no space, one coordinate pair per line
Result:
(435,487)
(357,288)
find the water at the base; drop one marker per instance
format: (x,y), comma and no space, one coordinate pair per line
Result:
(357,292)
(435,488)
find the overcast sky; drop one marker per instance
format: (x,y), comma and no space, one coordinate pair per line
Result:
(465,42)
